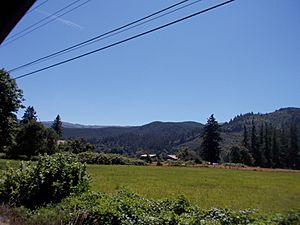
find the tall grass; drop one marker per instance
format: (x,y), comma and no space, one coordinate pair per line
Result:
(268,192)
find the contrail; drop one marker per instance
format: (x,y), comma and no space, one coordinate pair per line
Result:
(63,21)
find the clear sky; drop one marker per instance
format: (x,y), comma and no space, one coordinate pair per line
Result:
(243,57)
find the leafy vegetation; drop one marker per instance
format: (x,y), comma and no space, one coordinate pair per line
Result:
(49,180)
(11,98)
(128,208)
(108,159)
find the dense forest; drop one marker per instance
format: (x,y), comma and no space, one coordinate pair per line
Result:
(267,140)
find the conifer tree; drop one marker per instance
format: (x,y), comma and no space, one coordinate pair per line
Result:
(293,150)
(210,147)
(275,150)
(268,155)
(29,115)
(245,138)
(255,146)
(57,126)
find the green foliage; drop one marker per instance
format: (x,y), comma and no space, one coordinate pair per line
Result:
(125,208)
(11,98)
(108,159)
(239,154)
(50,179)
(210,147)
(33,139)
(29,115)
(77,146)
(57,126)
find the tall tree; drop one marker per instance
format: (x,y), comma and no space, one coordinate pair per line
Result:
(29,115)
(210,147)
(11,98)
(245,138)
(268,154)
(57,126)
(293,151)
(275,150)
(255,146)
(33,139)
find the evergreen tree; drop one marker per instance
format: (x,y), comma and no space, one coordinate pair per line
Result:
(275,150)
(255,146)
(268,155)
(210,147)
(11,98)
(29,115)
(57,126)
(293,150)
(245,138)
(235,155)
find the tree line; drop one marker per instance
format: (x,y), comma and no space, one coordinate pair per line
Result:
(268,146)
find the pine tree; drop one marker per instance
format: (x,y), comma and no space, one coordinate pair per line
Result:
(275,149)
(210,147)
(293,150)
(255,146)
(245,138)
(57,126)
(29,115)
(268,155)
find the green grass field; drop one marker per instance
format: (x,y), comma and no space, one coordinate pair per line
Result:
(268,192)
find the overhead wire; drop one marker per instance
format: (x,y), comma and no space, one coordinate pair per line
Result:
(36,7)
(54,16)
(105,35)
(126,40)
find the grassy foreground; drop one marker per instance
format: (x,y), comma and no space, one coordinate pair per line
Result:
(269,192)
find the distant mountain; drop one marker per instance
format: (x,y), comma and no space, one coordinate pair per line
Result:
(73,125)
(155,137)
(168,137)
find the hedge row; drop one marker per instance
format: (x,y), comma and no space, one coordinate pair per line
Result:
(108,159)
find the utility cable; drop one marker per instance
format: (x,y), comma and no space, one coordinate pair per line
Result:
(126,40)
(105,37)
(54,16)
(92,40)
(36,7)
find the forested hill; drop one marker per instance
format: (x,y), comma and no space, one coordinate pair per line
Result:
(154,137)
(279,119)
(232,131)
(158,137)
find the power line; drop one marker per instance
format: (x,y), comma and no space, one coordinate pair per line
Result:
(53,16)
(96,38)
(36,7)
(122,31)
(126,40)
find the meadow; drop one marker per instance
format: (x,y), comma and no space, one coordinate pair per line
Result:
(269,192)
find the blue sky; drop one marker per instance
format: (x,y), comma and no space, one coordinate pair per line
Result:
(243,57)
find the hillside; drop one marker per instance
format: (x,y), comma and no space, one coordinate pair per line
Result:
(169,137)
(232,131)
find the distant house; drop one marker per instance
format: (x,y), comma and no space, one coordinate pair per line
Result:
(171,157)
(144,156)
(59,142)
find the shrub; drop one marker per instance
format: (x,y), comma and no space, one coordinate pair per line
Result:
(108,159)
(50,179)
(128,208)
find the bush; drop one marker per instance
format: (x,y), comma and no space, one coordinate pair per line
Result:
(128,208)
(50,179)
(108,159)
